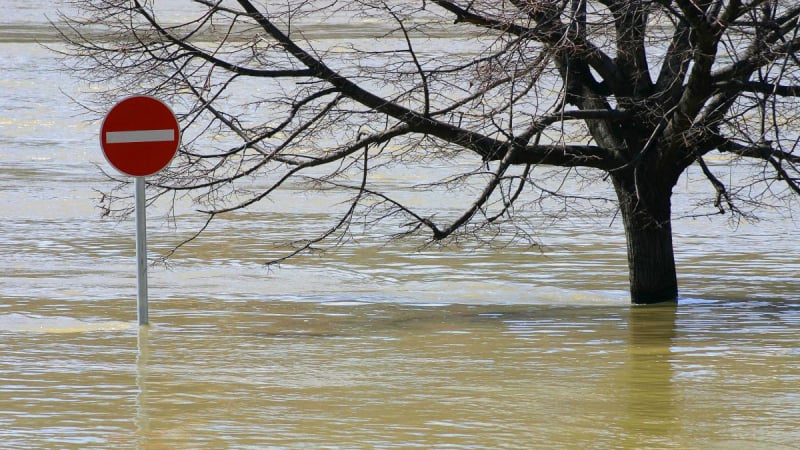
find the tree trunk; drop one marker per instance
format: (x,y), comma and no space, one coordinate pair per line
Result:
(646,212)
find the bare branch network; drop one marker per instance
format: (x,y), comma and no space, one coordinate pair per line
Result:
(327,93)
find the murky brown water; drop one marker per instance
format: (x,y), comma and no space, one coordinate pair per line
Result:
(341,374)
(372,345)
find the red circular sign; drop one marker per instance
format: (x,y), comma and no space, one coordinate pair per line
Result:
(140,136)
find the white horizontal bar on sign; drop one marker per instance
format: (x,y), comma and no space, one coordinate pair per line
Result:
(124,137)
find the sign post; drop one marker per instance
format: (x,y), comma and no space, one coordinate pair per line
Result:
(139,137)
(141,250)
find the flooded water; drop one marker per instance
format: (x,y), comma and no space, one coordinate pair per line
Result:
(372,345)
(288,374)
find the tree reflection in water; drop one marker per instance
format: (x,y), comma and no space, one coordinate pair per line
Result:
(647,382)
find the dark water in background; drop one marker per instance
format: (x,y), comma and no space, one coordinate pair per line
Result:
(373,344)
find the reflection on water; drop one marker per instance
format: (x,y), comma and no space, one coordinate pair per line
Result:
(354,374)
(32,324)
(647,376)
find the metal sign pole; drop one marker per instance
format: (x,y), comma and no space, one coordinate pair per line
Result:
(141,251)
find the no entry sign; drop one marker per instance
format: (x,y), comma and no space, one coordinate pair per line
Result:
(140,136)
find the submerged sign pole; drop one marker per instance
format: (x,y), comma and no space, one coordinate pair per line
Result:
(141,251)
(139,137)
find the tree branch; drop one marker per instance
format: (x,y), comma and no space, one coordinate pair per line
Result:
(764,152)
(553,33)
(190,50)
(760,87)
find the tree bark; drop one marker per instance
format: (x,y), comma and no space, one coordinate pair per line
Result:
(646,211)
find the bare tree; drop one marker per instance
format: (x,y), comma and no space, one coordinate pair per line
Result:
(634,92)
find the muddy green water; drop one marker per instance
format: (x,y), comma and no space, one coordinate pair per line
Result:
(373,345)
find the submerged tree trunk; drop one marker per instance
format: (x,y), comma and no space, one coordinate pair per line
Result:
(646,211)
